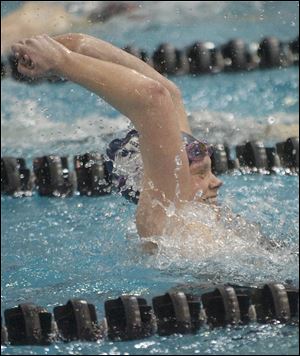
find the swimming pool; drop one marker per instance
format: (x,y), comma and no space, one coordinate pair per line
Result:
(54,249)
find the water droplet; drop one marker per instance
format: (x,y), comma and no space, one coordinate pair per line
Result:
(178,161)
(170,211)
(271,120)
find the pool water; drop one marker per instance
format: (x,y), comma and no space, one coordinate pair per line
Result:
(81,247)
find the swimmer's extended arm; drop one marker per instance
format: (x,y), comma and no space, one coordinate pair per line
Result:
(145,101)
(97,48)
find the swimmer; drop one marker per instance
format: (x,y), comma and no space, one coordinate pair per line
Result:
(34,18)
(37,17)
(177,166)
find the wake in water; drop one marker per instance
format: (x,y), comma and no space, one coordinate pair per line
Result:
(27,127)
(228,128)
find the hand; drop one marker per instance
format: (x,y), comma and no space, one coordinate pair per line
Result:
(39,56)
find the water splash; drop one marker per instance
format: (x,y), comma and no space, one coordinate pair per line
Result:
(131,167)
(210,242)
(220,127)
(213,244)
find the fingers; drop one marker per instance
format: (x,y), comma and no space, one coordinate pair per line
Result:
(19,52)
(17,49)
(26,61)
(26,71)
(21,46)
(32,42)
(33,55)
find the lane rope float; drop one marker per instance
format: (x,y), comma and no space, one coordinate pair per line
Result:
(202,57)
(94,174)
(181,310)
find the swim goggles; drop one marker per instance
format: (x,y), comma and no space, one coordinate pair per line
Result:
(196,150)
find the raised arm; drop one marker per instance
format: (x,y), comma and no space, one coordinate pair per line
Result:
(145,101)
(97,48)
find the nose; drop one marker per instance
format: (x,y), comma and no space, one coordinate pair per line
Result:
(215,183)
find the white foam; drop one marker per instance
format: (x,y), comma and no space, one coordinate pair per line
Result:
(222,127)
(237,253)
(27,126)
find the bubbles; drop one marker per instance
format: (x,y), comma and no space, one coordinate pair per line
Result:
(198,195)
(170,210)
(227,127)
(178,162)
(290,101)
(212,243)
(271,120)
(27,120)
(131,167)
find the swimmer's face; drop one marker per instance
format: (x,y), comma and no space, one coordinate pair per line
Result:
(204,180)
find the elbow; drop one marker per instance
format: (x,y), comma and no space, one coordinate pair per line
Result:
(175,92)
(156,93)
